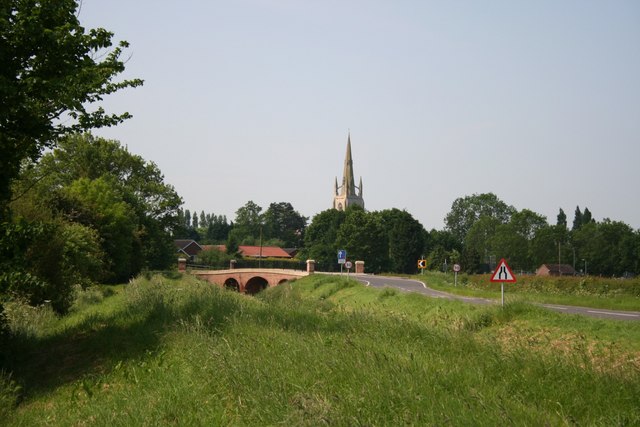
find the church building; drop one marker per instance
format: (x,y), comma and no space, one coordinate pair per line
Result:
(346,194)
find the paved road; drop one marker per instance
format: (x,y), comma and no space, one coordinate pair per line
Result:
(410,285)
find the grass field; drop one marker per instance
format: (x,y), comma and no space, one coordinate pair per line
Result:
(597,292)
(318,351)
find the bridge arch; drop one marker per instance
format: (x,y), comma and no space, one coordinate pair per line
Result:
(232,284)
(255,285)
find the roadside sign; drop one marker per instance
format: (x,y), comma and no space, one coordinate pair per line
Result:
(422,263)
(342,256)
(348,265)
(503,273)
(456,267)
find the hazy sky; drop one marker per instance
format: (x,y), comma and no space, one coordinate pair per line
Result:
(537,102)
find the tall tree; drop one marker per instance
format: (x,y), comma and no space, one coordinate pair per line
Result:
(578,219)
(71,178)
(187,218)
(283,222)
(561,218)
(248,221)
(320,239)
(586,216)
(52,71)
(364,238)
(465,211)
(406,239)
(203,220)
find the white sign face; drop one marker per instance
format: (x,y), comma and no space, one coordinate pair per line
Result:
(503,273)
(456,267)
(348,265)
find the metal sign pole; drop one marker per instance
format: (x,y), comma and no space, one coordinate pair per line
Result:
(455,279)
(502,292)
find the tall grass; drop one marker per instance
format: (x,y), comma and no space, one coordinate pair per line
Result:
(591,291)
(318,351)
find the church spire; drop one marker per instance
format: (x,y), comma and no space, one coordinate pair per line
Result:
(349,187)
(346,194)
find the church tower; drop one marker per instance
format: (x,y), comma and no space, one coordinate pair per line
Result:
(345,195)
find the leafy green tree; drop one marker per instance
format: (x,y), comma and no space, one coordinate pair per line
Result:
(586,216)
(98,203)
(217,230)
(609,247)
(320,239)
(283,222)
(577,219)
(513,240)
(466,211)
(480,237)
(70,178)
(52,71)
(187,218)
(562,219)
(216,258)
(544,246)
(406,239)
(248,221)
(365,239)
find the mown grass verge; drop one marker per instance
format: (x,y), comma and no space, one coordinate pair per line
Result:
(318,351)
(597,292)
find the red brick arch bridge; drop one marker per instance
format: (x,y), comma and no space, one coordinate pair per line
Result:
(249,280)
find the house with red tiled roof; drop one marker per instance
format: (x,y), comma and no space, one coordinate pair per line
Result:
(555,270)
(263,252)
(253,251)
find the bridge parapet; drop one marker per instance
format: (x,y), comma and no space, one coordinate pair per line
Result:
(249,280)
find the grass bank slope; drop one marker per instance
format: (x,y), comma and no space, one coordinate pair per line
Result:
(318,351)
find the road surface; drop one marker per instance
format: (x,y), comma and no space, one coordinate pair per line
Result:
(411,285)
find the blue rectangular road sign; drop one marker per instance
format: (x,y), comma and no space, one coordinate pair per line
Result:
(342,256)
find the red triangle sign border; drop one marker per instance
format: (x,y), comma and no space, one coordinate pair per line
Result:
(495,274)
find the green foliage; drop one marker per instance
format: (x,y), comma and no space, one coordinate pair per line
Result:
(53,70)
(364,238)
(40,261)
(466,211)
(216,258)
(283,222)
(248,221)
(99,204)
(406,240)
(320,240)
(99,184)
(323,350)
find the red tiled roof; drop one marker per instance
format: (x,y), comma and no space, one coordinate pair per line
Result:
(267,252)
(253,251)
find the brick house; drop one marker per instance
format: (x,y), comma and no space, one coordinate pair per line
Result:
(555,270)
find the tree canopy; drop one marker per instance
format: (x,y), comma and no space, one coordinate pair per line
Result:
(465,211)
(53,70)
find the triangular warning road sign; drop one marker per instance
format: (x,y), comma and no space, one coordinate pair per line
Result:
(503,273)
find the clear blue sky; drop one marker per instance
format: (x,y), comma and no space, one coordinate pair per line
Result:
(537,102)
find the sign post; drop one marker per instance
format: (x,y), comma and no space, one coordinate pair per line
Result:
(456,268)
(348,265)
(342,258)
(503,274)
(422,264)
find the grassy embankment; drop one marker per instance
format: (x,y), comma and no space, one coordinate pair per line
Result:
(322,350)
(590,291)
